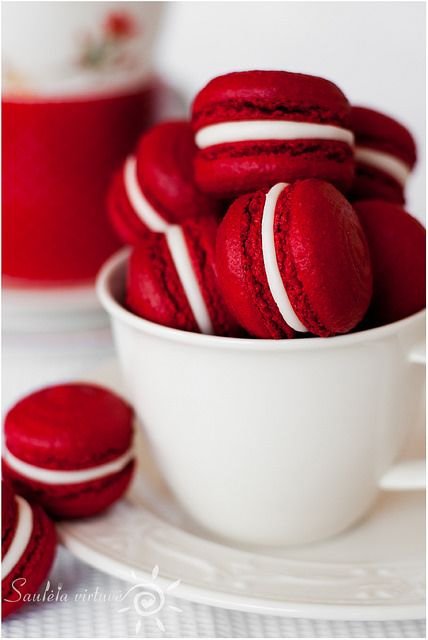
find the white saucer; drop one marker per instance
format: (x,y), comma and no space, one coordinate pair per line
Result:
(375,571)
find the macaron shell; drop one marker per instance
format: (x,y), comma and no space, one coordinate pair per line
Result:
(78,500)
(276,95)
(373,183)
(34,564)
(383,133)
(228,170)
(165,158)
(397,244)
(323,257)
(241,273)
(69,427)
(154,290)
(8,515)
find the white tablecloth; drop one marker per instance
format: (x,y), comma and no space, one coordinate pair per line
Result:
(80,619)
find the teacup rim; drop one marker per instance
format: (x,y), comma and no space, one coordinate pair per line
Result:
(116,310)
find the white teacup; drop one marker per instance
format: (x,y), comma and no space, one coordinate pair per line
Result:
(271,442)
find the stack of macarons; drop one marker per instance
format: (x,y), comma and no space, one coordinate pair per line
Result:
(68,453)
(241,222)
(274,213)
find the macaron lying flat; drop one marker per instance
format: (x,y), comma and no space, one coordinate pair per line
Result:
(385,155)
(28,549)
(155,187)
(397,247)
(172,280)
(256,128)
(70,447)
(293,260)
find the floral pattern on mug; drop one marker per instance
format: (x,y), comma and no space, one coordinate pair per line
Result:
(109,48)
(100,47)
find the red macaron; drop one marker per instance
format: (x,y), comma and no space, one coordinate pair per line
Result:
(385,154)
(172,280)
(28,549)
(256,128)
(397,244)
(155,187)
(70,448)
(294,259)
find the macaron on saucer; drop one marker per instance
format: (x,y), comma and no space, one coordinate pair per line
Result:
(155,187)
(385,155)
(294,260)
(256,128)
(172,280)
(28,549)
(397,244)
(70,447)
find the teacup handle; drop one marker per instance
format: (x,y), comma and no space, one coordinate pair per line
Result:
(408,474)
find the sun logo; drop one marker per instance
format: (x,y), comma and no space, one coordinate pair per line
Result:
(148,600)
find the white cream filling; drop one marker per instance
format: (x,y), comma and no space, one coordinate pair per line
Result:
(53,476)
(23,531)
(275,282)
(386,162)
(183,264)
(244,130)
(144,210)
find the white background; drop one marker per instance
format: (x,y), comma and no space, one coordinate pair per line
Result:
(375,52)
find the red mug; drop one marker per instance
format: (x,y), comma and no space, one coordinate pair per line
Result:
(68,121)
(58,157)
